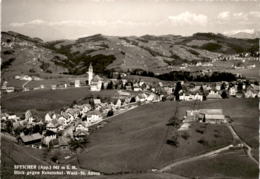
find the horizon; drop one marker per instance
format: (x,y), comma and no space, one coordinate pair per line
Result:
(118,35)
(71,19)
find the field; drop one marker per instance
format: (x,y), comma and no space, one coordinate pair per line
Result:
(234,164)
(136,140)
(47,100)
(12,154)
(244,113)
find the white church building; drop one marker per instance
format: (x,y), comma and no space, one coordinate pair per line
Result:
(94,81)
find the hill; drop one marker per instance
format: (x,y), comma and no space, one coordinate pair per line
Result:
(23,54)
(246,35)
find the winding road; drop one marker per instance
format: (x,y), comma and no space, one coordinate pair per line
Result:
(249,149)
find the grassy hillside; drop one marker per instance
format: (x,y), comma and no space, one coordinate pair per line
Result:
(220,43)
(136,140)
(151,53)
(47,100)
(24,55)
(12,154)
(226,165)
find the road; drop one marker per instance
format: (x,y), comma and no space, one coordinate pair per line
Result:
(191,159)
(25,84)
(249,149)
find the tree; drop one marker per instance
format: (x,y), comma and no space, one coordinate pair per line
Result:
(110,85)
(102,86)
(177,90)
(9,126)
(201,89)
(223,86)
(174,121)
(132,100)
(110,113)
(240,87)
(224,94)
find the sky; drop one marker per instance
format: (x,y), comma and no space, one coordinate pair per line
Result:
(71,19)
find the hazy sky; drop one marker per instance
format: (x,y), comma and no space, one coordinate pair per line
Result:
(70,19)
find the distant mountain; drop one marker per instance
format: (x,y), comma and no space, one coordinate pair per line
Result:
(245,35)
(148,52)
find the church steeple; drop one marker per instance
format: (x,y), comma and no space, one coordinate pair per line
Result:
(90,73)
(90,68)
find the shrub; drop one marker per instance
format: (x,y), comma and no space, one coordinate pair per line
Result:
(199,131)
(110,113)
(203,142)
(185,135)
(32,70)
(132,100)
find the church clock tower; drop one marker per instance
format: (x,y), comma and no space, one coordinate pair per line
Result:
(90,73)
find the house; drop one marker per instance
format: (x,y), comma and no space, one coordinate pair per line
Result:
(142,97)
(129,88)
(30,139)
(250,94)
(46,140)
(53,87)
(213,95)
(118,103)
(10,89)
(77,83)
(198,97)
(218,87)
(80,125)
(47,118)
(137,89)
(26,78)
(96,83)
(239,95)
(93,117)
(213,116)
(4,86)
(152,97)
(97,102)
(51,127)
(80,135)
(232,91)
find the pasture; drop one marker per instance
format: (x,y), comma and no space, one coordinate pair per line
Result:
(136,140)
(48,100)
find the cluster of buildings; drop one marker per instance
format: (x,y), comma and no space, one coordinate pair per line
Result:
(211,116)
(247,56)
(219,90)
(57,129)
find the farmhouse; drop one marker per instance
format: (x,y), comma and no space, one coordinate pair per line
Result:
(30,139)
(213,116)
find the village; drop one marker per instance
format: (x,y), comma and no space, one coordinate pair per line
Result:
(57,129)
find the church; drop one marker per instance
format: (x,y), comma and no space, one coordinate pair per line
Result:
(94,81)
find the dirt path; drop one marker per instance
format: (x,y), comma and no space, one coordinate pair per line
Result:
(25,84)
(249,149)
(191,159)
